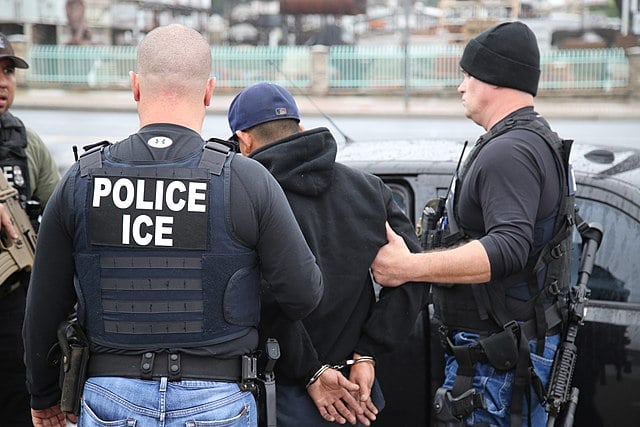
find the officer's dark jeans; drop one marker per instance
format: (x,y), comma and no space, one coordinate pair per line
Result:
(14,399)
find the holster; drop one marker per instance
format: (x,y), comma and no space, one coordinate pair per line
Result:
(74,348)
(265,381)
(451,411)
(501,349)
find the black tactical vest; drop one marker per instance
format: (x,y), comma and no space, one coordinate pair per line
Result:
(486,308)
(156,266)
(13,156)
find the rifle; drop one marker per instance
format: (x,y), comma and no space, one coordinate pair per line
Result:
(15,255)
(562,398)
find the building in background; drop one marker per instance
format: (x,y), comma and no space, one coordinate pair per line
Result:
(106,22)
(585,23)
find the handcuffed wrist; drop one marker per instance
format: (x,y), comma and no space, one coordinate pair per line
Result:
(349,362)
(318,373)
(369,359)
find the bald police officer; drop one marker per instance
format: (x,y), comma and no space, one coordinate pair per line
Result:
(162,242)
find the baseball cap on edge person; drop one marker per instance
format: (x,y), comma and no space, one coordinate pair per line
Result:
(261,103)
(506,55)
(6,51)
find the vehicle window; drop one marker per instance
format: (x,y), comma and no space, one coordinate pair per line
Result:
(402,196)
(615,275)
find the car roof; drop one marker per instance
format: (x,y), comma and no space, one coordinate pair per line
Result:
(406,156)
(603,173)
(440,155)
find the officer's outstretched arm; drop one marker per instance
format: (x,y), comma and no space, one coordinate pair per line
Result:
(395,265)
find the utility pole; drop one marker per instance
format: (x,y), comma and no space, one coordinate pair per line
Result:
(624,21)
(405,47)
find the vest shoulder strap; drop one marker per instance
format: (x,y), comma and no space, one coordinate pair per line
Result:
(8,120)
(214,156)
(92,157)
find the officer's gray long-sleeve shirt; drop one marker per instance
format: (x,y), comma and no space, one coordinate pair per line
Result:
(259,217)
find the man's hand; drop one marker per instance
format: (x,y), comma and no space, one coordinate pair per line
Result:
(6,224)
(48,417)
(332,395)
(388,266)
(364,374)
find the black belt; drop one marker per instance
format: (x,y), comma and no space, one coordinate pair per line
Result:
(554,326)
(175,366)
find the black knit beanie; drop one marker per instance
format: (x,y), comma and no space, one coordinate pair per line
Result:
(506,55)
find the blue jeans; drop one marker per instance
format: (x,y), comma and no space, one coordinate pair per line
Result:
(496,386)
(116,402)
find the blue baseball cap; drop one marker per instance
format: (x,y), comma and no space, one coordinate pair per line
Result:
(261,103)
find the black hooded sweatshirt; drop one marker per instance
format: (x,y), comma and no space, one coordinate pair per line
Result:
(342,213)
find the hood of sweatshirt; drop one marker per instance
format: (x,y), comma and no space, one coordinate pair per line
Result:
(302,163)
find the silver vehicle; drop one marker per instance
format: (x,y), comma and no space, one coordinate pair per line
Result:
(608,365)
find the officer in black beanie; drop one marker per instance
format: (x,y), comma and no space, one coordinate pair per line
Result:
(508,202)
(506,55)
